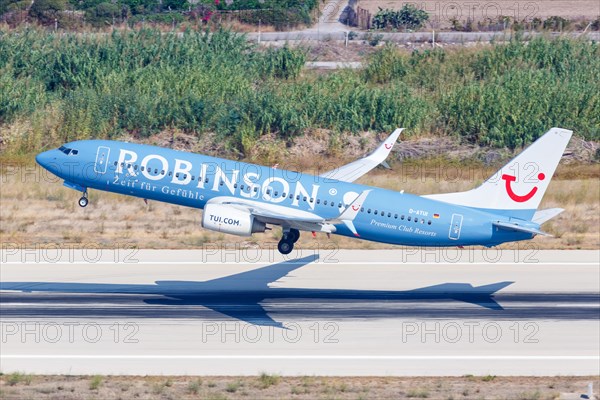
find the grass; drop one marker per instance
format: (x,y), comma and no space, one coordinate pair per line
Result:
(95,382)
(233,387)
(194,386)
(343,388)
(220,88)
(417,393)
(18,377)
(268,380)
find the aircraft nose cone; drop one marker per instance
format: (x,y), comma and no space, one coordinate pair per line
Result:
(46,159)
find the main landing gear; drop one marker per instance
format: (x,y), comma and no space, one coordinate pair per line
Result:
(286,244)
(83,201)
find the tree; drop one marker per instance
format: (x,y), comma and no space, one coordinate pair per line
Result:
(46,11)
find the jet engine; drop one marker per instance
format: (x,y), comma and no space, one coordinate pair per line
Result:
(228,219)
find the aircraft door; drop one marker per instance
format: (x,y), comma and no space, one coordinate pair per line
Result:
(101,159)
(455,226)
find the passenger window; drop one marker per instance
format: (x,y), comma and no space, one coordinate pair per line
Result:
(241,187)
(206,180)
(428,222)
(362,209)
(304,198)
(221,183)
(402,217)
(162,171)
(176,175)
(170,173)
(375,212)
(234,185)
(268,191)
(389,215)
(135,167)
(141,168)
(297,197)
(369,211)
(184,176)
(255,189)
(395,216)
(409,218)
(312,200)
(193,177)
(276,194)
(340,204)
(116,162)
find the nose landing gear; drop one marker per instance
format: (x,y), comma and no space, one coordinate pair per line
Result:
(286,244)
(83,201)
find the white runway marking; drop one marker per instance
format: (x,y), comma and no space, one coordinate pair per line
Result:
(290,357)
(262,264)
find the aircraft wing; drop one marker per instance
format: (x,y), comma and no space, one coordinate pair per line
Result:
(354,170)
(299,219)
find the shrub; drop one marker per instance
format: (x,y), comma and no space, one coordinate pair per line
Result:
(385,65)
(46,11)
(408,17)
(283,63)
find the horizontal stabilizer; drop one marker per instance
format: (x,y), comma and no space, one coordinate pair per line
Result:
(545,215)
(519,228)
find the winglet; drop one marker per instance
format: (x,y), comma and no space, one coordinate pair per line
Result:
(383,151)
(354,170)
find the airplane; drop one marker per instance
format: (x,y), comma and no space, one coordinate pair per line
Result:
(241,199)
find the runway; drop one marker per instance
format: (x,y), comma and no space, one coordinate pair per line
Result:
(319,312)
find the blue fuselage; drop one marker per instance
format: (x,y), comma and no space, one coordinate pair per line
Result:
(191,180)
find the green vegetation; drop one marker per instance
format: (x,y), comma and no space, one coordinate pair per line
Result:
(408,17)
(18,377)
(417,393)
(55,88)
(70,14)
(268,380)
(95,382)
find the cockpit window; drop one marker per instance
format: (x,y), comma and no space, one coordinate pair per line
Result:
(68,151)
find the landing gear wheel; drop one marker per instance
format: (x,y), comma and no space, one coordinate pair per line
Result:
(285,246)
(293,235)
(83,201)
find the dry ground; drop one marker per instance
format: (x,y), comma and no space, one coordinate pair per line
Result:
(18,386)
(444,10)
(35,209)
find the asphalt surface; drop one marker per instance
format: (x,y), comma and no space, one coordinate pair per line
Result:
(327,312)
